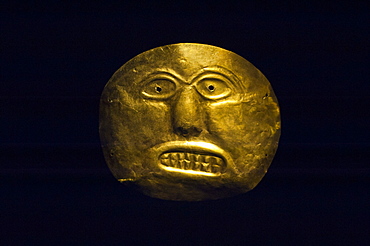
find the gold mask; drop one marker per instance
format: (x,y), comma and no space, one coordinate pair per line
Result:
(189,122)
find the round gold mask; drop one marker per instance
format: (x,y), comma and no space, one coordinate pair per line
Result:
(189,122)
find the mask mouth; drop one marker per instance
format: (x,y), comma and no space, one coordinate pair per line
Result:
(190,162)
(199,158)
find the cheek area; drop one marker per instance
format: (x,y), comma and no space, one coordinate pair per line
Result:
(242,128)
(150,123)
(227,123)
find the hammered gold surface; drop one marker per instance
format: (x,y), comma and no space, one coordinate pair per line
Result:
(189,122)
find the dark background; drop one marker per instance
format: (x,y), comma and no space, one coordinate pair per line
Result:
(55,188)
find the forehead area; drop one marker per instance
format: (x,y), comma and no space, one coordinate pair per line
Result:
(184,60)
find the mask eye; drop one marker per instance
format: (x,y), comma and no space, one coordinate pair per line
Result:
(159,89)
(212,88)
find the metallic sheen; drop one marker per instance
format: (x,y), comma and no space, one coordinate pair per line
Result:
(189,122)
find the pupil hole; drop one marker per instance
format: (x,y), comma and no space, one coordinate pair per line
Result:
(158,89)
(211,88)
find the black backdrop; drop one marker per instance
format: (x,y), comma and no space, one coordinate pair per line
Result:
(56,58)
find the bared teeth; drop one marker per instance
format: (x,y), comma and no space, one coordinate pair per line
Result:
(208,158)
(174,160)
(187,164)
(165,162)
(165,156)
(192,157)
(205,167)
(216,169)
(196,166)
(191,161)
(201,158)
(181,156)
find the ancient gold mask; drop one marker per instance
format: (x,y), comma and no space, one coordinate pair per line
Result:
(189,122)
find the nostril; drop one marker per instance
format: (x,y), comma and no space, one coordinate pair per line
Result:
(197,131)
(190,131)
(182,131)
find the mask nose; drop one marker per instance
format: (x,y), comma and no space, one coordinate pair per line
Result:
(187,114)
